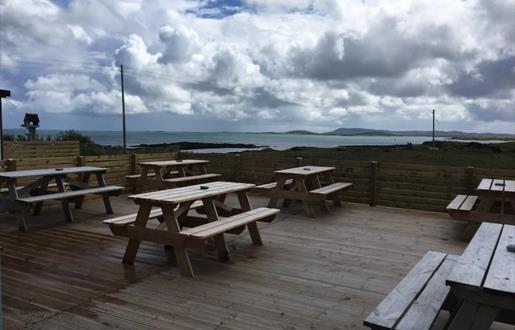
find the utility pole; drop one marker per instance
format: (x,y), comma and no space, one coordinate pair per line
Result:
(3,94)
(433,132)
(123,112)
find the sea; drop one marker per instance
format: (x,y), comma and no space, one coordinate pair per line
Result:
(275,141)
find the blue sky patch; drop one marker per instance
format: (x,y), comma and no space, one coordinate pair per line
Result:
(219,9)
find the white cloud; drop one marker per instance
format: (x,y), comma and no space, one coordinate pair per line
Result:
(310,63)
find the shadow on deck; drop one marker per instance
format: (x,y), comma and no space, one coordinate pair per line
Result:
(324,273)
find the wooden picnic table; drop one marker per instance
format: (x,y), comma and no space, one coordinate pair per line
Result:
(483,207)
(172,173)
(21,199)
(172,214)
(303,183)
(484,279)
(490,190)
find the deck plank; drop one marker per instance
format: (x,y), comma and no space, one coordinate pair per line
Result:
(70,276)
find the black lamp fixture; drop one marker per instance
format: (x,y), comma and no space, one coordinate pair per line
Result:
(3,94)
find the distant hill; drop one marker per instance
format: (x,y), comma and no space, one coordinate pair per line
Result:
(359,131)
(375,132)
(302,132)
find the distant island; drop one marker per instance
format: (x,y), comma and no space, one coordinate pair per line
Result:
(457,135)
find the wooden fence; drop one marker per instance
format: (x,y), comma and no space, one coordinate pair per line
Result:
(119,165)
(38,149)
(413,186)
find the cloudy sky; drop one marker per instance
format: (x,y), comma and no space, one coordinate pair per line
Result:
(260,65)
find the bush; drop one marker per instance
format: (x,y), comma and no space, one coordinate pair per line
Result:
(72,135)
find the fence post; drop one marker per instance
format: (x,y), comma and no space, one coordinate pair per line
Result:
(298,161)
(10,165)
(81,161)
(237,165)
(373,183)
(469,179)
(134,163)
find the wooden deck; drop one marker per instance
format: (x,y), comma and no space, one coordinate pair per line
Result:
(324,273)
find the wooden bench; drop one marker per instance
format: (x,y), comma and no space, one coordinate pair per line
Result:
(129,219)
(214,228)
(461,206)
(190,180)
(135,182)
(112,190)
(50,186)
(418,298)
(332,191)
(265,188)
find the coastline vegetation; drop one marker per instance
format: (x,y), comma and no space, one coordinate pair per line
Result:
(449,153)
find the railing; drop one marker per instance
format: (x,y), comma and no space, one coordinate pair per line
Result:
(119,165)
(37,149)
(412,186)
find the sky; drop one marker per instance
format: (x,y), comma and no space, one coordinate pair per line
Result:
(260,65)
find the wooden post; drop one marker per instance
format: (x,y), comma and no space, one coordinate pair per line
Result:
(236,173)
(134,164)
(373,183)
(10,165)
(81,161)
(469,180)
(298,161)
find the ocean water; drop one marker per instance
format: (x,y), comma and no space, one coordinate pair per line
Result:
(275,141)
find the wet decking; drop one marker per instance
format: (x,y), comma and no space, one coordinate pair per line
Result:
(324,273)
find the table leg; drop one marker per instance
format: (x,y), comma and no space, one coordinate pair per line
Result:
(308,207)
(159,177)
(20,214)
(280,186)
(140,183)
(473,316)
(43,189)
(181,253)
(133,244)
(204,169)
(105,196)
(486,203)
(335,197)
(315,183)
(287,202)
(212,215)
(66,206)
(245,205)
(80,201)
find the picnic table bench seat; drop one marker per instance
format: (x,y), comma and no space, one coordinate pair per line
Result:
(214,228)
(264,188)
(50,186)
(134,177)
(192,179)
(129,219)
(332,188)
(462,204)
(112,190)
(418,298)
(135,180)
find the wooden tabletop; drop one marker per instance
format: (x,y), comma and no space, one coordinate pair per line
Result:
(174,162)
(496,186)
(305,170)
(486,263)
(191,193)
(51,172)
